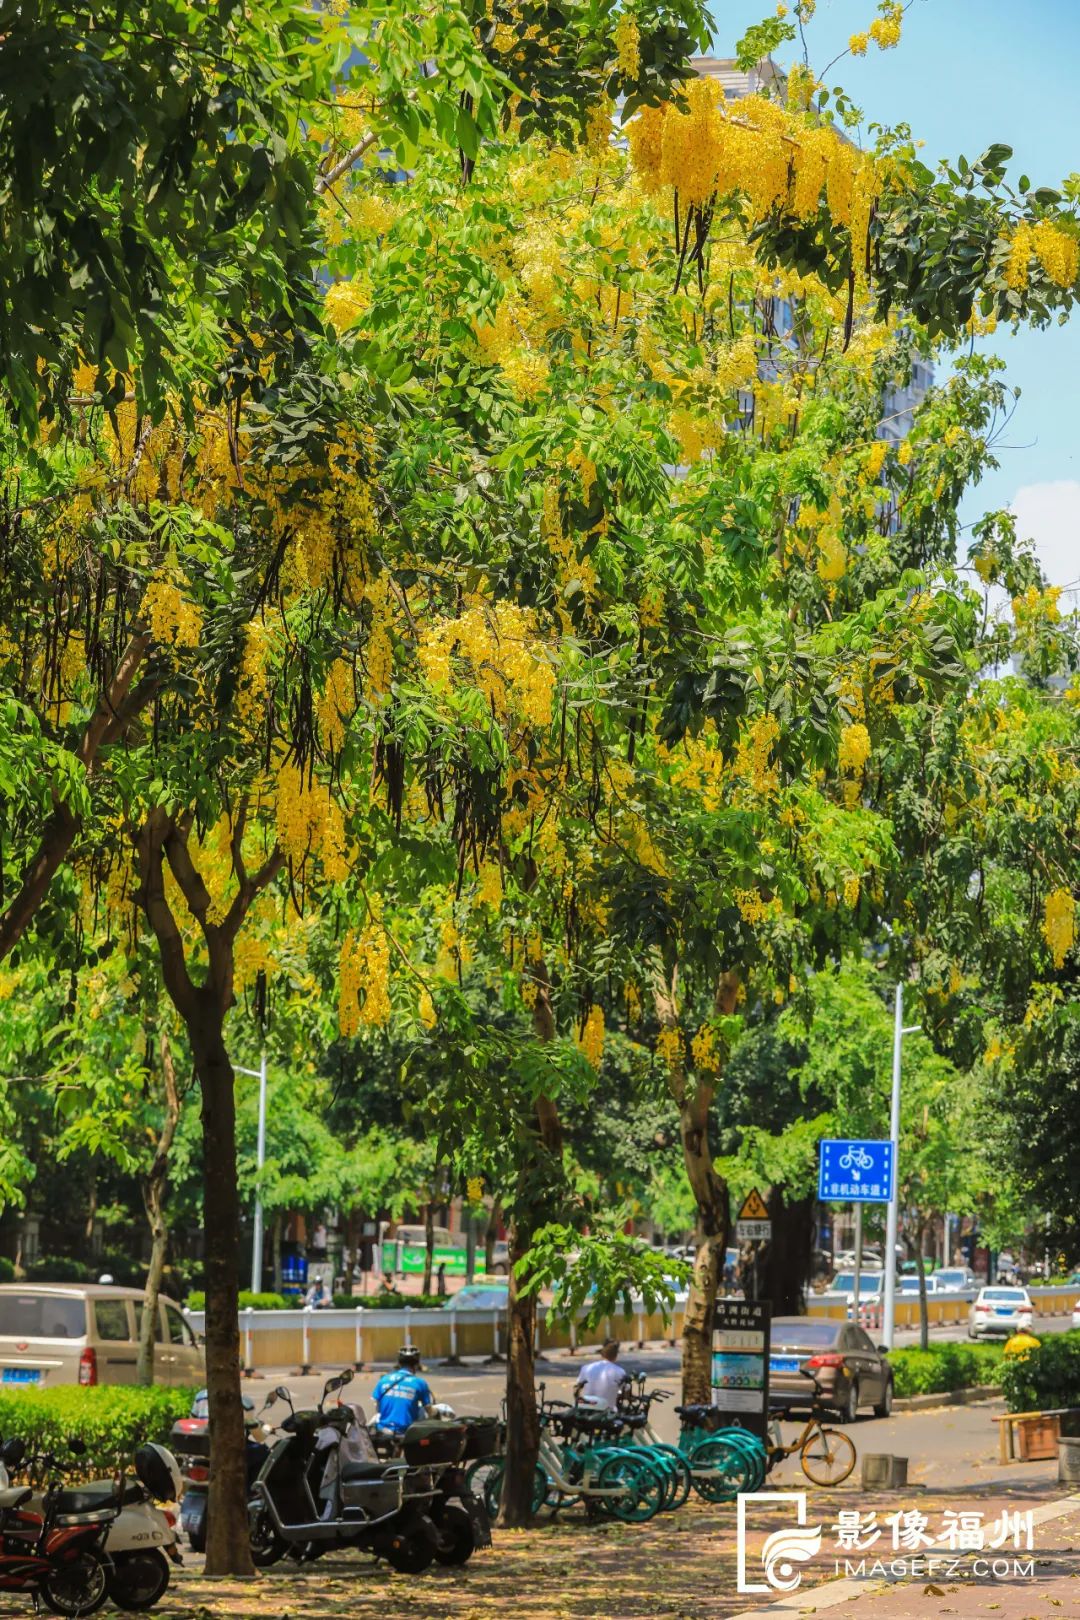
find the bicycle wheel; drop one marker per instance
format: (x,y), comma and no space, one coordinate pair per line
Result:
(827,1457)
(644,1490)
(682,1477)
(492,1486)
(750,1448)
(720,1471)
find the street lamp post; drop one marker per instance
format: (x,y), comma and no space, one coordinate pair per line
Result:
(258,1074)
(892,1218)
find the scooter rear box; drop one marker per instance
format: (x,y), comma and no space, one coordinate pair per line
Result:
(434,1442)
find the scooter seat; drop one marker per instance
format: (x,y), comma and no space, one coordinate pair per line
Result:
(16,1497)
(90,1500)
(365,1470)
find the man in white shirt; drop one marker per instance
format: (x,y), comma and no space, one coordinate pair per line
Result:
(599,1382)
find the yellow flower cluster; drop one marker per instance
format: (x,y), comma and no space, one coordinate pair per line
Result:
(670,1048)
(526,372)
(507,659)
(345,302)
(628,45)
(489,890)
(754,147)
(1035,606)
(852,885)
(857,44)
(425,1008)
(1056,250)
(753,756)
(251,684)
(337,703)
(364,970)
(474,1189)
(309,821)
(174,620)
(591,1039)
(703,1050)
(854,749)
(754,908)
(1059,924)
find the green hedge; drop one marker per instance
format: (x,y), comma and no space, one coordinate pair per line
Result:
(196,1301)
(7,1269)
(1046,1377)
(945,1367)
(111,1421)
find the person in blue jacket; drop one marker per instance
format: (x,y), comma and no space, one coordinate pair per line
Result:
(402,1396)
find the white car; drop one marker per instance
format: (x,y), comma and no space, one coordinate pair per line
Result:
(999,1311)
(908,1287)
(955,1279)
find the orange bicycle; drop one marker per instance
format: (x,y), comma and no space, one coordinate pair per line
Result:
(826,1455)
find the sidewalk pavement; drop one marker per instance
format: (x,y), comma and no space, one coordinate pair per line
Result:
(938,1580)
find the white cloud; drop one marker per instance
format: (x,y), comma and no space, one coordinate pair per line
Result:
(1049,515)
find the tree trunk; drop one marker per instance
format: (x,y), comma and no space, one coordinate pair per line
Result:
(711,1197)
(920,1266)
(784,1267)
(429,1244)
(522,1417)
(694,1096)
(540,1173)
(227,1548)
(154,1204)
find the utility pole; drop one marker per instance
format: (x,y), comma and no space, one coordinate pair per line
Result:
(893,1216)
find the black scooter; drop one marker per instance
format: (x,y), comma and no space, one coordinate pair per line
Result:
(311,1497)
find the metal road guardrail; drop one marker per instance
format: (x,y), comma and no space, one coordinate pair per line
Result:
(309,1336)
(940,1308)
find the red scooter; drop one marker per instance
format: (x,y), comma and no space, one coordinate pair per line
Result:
(56,1556)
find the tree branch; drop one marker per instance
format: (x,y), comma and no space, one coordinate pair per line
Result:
(114,708)
(149,851)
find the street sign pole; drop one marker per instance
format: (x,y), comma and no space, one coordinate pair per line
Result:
(892,1217)
(856,1295)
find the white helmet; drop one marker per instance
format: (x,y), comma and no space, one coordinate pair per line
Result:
(158,1470)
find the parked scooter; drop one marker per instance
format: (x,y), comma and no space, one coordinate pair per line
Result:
(322,1489)
(57,1555)
(142,1539)
(190,1439)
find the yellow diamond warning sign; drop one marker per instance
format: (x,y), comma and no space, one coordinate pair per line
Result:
(754,1207)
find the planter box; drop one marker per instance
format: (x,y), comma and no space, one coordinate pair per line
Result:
(1039,1436)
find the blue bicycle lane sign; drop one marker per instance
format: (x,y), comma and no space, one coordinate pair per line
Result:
(855,1172)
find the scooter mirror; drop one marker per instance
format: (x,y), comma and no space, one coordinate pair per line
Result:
(346,1376)
(247,1403)
(13,1452)
(283,1393)
(77,1446)
(330,1386)
(270,1399)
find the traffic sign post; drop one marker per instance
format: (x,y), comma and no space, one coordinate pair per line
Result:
(752,1224)
(856,1172)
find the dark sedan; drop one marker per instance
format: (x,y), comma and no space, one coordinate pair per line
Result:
(849,1367)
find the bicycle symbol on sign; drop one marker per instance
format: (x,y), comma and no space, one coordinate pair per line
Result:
(856,1158)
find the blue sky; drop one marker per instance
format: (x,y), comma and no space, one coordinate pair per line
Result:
(968,73)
